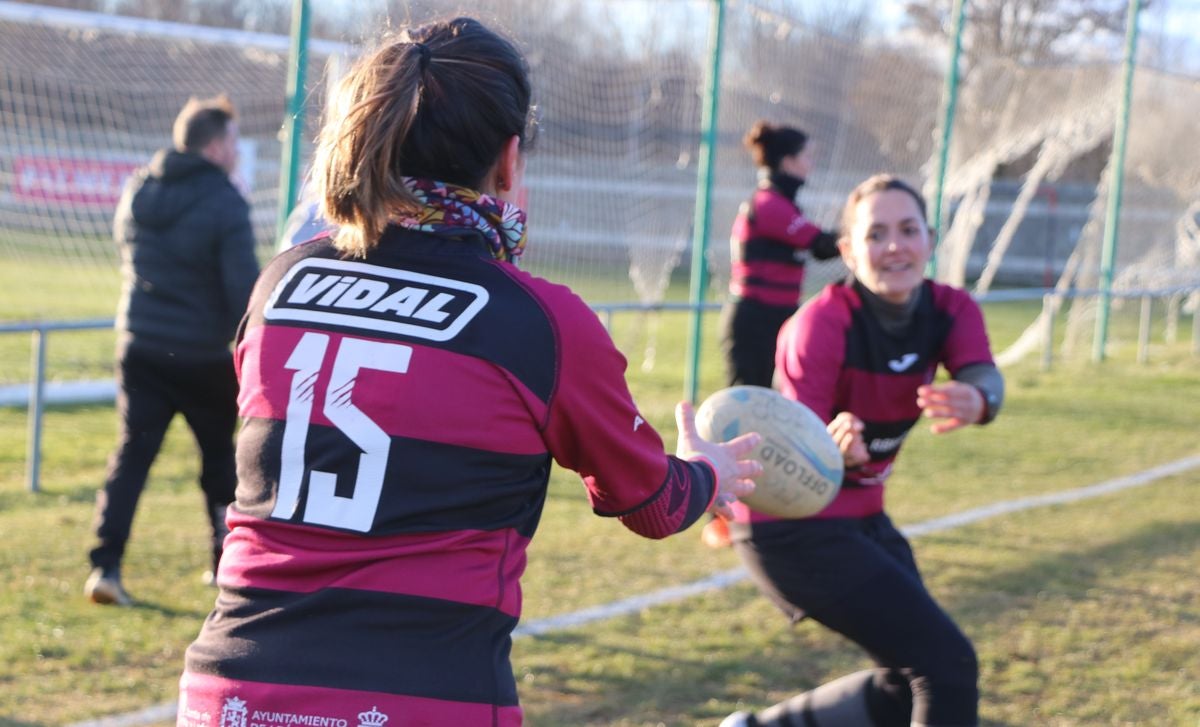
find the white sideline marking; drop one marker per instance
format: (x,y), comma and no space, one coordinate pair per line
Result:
(629,605)
(163,712)
(1005,507)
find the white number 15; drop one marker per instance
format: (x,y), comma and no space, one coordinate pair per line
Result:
(323,506)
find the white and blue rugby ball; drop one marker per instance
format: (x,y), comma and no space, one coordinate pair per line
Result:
(802,465)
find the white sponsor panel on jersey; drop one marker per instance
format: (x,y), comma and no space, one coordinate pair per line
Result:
(886,444)
(374,298)
(237,712)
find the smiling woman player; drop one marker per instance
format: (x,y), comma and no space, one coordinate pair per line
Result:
(862,355)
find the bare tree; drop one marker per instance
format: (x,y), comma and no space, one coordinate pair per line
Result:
(1024,31)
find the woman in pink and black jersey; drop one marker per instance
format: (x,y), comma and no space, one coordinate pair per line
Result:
(863,355)
(404,391)
(770,243)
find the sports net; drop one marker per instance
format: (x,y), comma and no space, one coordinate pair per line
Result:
(80,109)
(1039,139)
(85,98)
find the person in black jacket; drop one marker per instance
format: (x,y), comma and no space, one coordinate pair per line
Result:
(187,265)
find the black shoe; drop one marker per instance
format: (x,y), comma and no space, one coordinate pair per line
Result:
(105,587)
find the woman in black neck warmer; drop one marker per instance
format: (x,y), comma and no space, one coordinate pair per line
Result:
(771,241)
(864,355)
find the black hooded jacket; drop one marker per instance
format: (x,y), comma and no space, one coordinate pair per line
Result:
(187,258)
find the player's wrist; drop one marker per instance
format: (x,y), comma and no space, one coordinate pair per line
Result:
(702,459)
(989,405)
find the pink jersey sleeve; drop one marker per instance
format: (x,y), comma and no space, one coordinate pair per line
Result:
(967,342)
(595,428)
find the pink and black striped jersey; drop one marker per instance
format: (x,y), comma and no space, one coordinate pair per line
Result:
(770,244)
(400,414)
(834,355)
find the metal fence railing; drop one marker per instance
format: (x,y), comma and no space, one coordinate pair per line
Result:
(1052,301)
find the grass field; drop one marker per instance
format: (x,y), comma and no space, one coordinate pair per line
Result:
(1082,614)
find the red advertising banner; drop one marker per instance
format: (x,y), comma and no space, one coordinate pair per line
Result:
(71,180)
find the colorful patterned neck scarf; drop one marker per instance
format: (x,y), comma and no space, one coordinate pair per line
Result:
(447,207)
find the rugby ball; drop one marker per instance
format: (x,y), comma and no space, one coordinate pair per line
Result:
(802,465)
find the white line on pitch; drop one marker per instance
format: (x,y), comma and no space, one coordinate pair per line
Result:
(163,712)
(722,580)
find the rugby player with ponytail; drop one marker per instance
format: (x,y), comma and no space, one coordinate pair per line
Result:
(405,388)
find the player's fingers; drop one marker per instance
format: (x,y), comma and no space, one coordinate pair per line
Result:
(739,488)
(842,439)
(844,421)
(685,420)
(933,397)
(947,425)
(743,444)
(856,455)
(940,391)
(723,504)
(747,468)
(846,439)
(938,411)
(731,490)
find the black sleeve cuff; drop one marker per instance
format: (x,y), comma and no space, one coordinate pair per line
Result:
(824,245)
(986,378)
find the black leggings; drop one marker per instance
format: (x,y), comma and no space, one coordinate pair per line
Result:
(151,390)
(858,577)
(748,333)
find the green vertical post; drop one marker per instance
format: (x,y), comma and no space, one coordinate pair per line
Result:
(293,123)
(704,184)
(1116,166)
(37,410)
(949,108)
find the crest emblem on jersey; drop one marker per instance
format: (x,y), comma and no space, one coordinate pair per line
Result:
(234,712)
(374,298)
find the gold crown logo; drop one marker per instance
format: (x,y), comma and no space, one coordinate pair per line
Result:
(374,718)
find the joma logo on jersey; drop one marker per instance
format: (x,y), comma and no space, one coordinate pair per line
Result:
(373,298)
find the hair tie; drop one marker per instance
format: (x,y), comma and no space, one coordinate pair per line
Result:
(426,56)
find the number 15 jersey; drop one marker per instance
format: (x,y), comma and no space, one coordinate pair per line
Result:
(400,414)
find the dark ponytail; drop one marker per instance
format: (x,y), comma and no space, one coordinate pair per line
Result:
(439,102)
(769,143)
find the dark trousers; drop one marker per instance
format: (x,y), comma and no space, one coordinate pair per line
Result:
(748,333)
(151,389)
(858,577)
